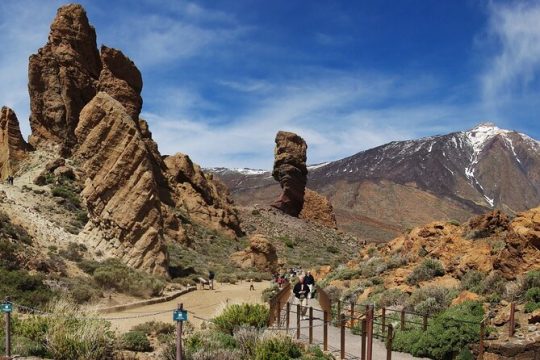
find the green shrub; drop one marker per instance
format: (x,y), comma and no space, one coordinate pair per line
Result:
(472,280)
(277,348)
(269,292)
(88,266)
(315,353)
(67,193)
(533,299)
(24,288)
(332,249)
(83,290)
(227,278)
(112,274)
(532,279)
(427,270)
(154,328)
(493,284)
(237,315)
(208,341)
(73,251)
(392,297)
(135,341)
(446,336)
(430,300)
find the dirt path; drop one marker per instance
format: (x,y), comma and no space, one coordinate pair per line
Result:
(203,303)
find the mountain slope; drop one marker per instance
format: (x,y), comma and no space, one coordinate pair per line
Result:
(381,191)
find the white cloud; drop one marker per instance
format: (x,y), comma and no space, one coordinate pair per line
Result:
(337,114)
(515,29)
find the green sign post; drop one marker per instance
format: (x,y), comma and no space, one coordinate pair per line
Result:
(7,308)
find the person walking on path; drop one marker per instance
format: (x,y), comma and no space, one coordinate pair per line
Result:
(211,277)
(310,282)
(301,292)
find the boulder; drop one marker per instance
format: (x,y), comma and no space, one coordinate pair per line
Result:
(291,172)
(13,148)
(317,208)
(260,254)
(120,190)
(54,164)
(64,171)
(62,79)
(465,296)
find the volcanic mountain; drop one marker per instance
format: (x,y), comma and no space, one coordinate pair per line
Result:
(381,191)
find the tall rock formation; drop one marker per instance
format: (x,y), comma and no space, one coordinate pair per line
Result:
(13,148)
(121,79)
(120,190)
(291,172)
(62,78)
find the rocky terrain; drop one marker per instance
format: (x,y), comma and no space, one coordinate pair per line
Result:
(380,192)
(493,258)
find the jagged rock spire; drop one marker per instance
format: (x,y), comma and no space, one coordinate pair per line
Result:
(13,148)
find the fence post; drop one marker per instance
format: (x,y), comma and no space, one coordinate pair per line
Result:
(403,319)
(342,338)
(389,342)
(7,319)
(383,320)
(512,322)
(325,331)
(279,313)
(424,322)
(482,334)
(370,333)
(364,332)
(339,309)
(288,316)
(352,314)
(179,324)
(310,325)
(298,310)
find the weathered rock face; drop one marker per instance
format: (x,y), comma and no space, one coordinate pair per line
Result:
(120,190)
(291,172)
(13,148)
(317,208)
(260,254)
(205,199)
(62,78)
(121,79)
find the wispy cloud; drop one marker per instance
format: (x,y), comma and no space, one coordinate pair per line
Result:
(514,29)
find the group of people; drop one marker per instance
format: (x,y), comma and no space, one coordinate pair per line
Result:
(303,291)
(10,179)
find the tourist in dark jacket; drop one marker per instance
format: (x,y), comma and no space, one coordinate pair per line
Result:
(310,282)
(301,292)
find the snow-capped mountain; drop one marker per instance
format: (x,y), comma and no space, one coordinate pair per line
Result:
(380,191)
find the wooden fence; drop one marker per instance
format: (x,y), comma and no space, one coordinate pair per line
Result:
(277,302)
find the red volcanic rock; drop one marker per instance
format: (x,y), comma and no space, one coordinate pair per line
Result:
(291,172)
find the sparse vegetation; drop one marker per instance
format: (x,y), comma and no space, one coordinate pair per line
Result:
(427,270)
(135,341)
(254,315)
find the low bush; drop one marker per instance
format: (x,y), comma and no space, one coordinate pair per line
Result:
(24,288)
(135,341)
(392,297)
(227,278)
(277,348)
(154,328)
(532,279)
(68,193)
(427,270)
(430,300)
(472,280)
(447,334)
(236,315)
(269,292)
(73,251)
(532,296)
(112,274)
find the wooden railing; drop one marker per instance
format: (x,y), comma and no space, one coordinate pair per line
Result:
(277,302)
(324,300)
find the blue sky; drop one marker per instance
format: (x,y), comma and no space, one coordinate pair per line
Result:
(221,77)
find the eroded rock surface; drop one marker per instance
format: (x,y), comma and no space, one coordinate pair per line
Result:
(121,79)
(204,198)
(120,189)
(291,172)
(13,148)
(62,78)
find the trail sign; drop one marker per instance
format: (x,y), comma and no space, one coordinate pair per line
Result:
(7,307)
(180,315)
